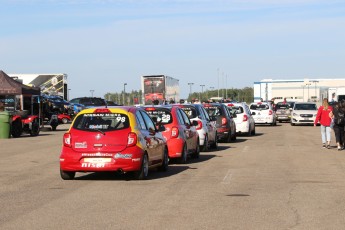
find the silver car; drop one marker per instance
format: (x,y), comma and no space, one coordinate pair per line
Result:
(304,113)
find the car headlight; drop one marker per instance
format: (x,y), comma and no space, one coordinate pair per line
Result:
(295,114)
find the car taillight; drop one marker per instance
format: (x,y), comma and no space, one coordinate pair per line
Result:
(245,117)
(102,111)
(224,121)
(174,132)
(270,112)
(199,126)
(67,140)
(132,139)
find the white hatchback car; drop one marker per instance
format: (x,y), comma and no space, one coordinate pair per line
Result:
(263,113)
(304,113)
(242,117)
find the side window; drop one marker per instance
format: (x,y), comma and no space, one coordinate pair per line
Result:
(140,120)
(149,123)
(185,118)
(179,116)
(205,113)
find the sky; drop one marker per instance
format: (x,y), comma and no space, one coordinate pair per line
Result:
(102,44)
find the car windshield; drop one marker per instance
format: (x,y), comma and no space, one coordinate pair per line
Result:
(190,111)
(163,115)
(101,121)
(305,107)
(213,110)
(259,107)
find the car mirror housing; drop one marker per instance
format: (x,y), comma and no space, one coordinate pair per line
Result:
(195,123)
(253,113)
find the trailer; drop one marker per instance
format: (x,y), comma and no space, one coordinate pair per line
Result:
(159,89)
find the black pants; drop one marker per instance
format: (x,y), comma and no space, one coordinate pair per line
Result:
(339,134)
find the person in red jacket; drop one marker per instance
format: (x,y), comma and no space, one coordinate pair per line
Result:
(323,116)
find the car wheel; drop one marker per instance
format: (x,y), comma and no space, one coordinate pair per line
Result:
(184,156)
(214,144)
(292,124)
(205,146)
(35,128)
(196,153)
(64,121)
(143,173)
(229,138)
(253,131)
(165,163)
(67,175)
(54,127)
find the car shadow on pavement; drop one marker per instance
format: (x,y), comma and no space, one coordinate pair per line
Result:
(113,176)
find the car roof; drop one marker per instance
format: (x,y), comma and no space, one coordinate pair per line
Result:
(113,109)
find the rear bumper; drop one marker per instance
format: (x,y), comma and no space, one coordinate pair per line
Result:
(96,162)
(222,133)
(175,146)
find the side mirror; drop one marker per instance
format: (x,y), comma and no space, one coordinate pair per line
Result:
(253,113)
(161,128)
(213,118)
(195,123)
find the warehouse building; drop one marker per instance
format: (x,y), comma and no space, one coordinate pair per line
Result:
(303,90)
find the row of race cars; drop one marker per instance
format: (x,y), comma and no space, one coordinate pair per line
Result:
(134,139)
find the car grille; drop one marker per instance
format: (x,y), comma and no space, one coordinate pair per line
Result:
(306,115)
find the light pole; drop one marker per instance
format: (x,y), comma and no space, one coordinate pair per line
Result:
(218,80)
(190,88)
(124,93)
(92,90)
(303,92)
(202,91)
(226,87)
(308,84)
(68,97)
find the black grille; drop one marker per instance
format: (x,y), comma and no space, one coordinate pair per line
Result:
(306,115)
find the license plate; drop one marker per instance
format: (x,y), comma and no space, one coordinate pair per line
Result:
(306,118)
(97,160)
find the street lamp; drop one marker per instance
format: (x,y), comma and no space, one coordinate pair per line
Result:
(308,84)
(68,97)
(218,80)
(303,91)
(202,91)
(92,90)
(124,93)
(190,88)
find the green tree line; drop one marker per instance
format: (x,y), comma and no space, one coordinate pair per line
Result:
(134,97)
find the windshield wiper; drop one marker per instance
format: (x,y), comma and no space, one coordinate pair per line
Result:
(98,130)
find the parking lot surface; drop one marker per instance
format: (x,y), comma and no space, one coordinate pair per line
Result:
(281,178)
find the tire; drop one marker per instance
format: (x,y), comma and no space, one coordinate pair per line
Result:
(196,153)
(143,173)
(64,121)
(54,128)
(205,146)
(184,158)
(165,164)
(229,138)
(67,175)
(253,132)
(35,128)
(292,124)
(214,145)
(16,129)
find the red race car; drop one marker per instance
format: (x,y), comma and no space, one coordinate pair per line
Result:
(180,133)
(122,139)
(64,118)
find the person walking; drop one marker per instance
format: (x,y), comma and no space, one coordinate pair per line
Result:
(323,117)
(339,122)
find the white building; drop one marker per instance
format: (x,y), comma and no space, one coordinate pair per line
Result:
(296,90)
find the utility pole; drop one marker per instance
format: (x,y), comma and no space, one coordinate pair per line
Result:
(202,91)
(124,93)
(92,90)
(190,88)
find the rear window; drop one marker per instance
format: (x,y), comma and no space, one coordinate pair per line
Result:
(236,109)
(92,101)
(190,111)
(163,115)
(282,106)
(305,107)
(213,110)
(259,106)
(101,121)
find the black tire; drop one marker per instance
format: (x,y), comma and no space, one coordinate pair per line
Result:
(64,120)
(67,175)
(143,173)
(234,137)
(228,138)
(16,129)
(196,153)
(214,144)
(253,132)
(205,146)
(292,124)
(35,128)
(54,128)
(165,164)
(184,157)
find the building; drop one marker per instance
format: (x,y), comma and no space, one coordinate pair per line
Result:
(303,90)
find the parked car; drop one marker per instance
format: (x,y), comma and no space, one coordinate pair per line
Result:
(64,118)
(180,133)
(121,139)
(206,127)
(263,113)
(304,113)
(243,118)
(226,127)
(283,111)
(81,103)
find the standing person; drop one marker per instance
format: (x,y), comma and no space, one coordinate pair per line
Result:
(323,116)
(339,122)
